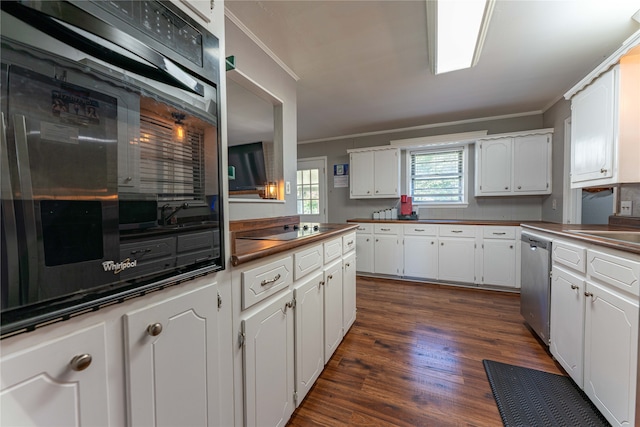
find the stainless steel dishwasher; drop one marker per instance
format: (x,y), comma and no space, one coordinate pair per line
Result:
(535,286)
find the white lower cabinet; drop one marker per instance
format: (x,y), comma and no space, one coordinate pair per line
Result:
(457,253)
(421,251)
(387,250)
(333,332)
(309,328)
(594,324)
(348,291)
(364,247)
(611,351)
(171,360)
(268,353)
(500,257)
(567,321)
(60,382)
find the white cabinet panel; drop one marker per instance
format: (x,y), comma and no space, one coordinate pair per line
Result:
(40,388)
(567,322)
(309,328)
(456,259)
(265,280)
(171,349)
(349,292)
(374,173)
(421,257)
(499,262)
(495,172)
(307,260)
(269,363)
(333,332)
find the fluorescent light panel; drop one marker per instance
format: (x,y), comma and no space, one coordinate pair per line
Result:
(456,32)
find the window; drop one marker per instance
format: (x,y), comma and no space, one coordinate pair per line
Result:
(437,177)
(308,192)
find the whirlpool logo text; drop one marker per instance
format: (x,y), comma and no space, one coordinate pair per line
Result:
(117,267)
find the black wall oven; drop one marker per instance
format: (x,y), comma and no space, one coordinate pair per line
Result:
(110,155)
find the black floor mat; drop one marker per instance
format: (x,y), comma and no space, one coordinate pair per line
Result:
(527,397)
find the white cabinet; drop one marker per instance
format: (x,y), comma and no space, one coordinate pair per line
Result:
(567,321)
(364,248)
(309,328)
(594,324)
(268,347)
(421,251)
(457,253)
(605,107)
(500,258)
(333,332)
(515,164)
(61,382)
(387,251)
(374,172)
(349,291)
(172,367)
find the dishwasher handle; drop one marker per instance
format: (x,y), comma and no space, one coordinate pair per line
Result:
(535,242)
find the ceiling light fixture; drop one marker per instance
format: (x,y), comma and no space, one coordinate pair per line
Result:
(456,30)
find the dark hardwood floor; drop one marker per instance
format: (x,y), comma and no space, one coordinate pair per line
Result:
(414,358)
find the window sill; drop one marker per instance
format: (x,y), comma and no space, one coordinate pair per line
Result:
(440,206)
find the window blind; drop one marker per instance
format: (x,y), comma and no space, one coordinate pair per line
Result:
(437,176)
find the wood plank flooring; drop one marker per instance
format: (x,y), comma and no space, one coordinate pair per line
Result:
(414,358)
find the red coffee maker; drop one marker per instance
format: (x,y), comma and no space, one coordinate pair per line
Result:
(406,208)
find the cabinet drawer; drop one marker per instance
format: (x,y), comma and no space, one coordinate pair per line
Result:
(348,242)
(457,231)
(569,255)
(613,270)
(499,233)
(420,230)
(261,282)
(307,260)
(332,249)
(387,228)
(365,228)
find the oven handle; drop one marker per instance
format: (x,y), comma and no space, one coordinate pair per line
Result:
(163,70)
(28,205)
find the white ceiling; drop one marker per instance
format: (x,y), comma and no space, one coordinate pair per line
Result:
(362,65)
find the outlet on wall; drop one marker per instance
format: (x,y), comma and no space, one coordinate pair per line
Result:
(625,207)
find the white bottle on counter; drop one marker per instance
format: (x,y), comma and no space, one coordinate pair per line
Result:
(394,213)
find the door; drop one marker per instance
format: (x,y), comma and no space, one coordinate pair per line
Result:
(171,349)
(311,189)
(41,386)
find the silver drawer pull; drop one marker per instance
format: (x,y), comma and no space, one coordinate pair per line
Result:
(456,231)
(603,170)
(418,229)
(80,362)
(574,286)
(350,242)
(385,229)
(499,234)
(266,282)
(588,294)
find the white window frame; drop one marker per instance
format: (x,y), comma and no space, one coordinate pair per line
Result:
(465,176)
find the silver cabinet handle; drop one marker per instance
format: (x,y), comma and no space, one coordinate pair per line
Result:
(588,294)
(80,362)
(385,229)
(603,170)
(154,329)
(347,265)
(456,231)
(498,234)
(574,286)
(519,187)
(270,281)
(321,283)
(350,242)
(418,229)
(330,277)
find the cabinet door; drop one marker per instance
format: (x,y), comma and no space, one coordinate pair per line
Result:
(309,328)
(332,309)
(386,255)
(495,166)
(532,164)
(421,257)
(361,174)
(499,262)
(349,292)
(171,356)
(567,322)
(40,386)
(269,364)
(386,173)
(592,130)
(364,252)
(456,259)
(611,350)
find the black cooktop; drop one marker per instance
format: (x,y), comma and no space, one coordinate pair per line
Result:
(287,232)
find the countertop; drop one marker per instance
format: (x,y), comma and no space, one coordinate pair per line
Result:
(244,251)
(562,230)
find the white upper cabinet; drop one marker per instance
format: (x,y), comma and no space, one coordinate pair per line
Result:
(374,172)
(605,121)
(514,164)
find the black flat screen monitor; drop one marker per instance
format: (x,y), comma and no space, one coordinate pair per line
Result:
(247,169)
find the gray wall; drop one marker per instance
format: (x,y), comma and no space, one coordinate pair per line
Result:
(341,207)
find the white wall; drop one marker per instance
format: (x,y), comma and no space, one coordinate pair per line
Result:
(341,207)
(257,66)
